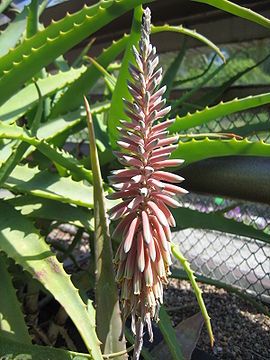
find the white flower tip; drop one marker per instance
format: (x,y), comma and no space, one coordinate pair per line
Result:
(144,191)
(136,179)
(184,191)
(149,169)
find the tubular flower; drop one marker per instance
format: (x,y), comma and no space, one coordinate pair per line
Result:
(143,257)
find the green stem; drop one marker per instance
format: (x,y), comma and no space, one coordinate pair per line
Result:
(190,273)
(84,52)
(42,7)
(178,274)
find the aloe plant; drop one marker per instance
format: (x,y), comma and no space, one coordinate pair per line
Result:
(48,186)
(238,10)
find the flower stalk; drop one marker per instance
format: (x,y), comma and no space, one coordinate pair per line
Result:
(143,257)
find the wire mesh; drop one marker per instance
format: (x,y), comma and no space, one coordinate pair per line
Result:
(233,259)
(251,124)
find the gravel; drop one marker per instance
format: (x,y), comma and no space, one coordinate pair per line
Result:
(240,331)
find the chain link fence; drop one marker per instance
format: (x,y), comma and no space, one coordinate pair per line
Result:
(232,259)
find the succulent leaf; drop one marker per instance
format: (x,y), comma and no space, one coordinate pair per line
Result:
(21,63)
(238,10)
(196,150)
(59,156)
(26,180)
(108,317)
(36,207)
(12,324)
(223,108)
(27,98)
(21,241)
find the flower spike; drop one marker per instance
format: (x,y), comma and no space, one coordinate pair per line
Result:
(143,258)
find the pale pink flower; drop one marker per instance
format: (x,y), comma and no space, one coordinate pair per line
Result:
(143,257)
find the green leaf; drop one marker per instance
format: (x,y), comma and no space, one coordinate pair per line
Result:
(43,6)
(238,10)
(61,63)
(109,79)
(186,218)
(196,150)
(65,125)
(10,36)
(6,148)
(72,97)
(56,155)
(33,54)
(36,207)
(9,164)
(12,350)
(37,118)
(190,273)
(32,19)
(102,139)
(214,112)
(169,335)
(78,60)
(18,152)
(109,322)
(193,33)
(121,90)
(49,185)
(12,325)
(27,98)
(20,240)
